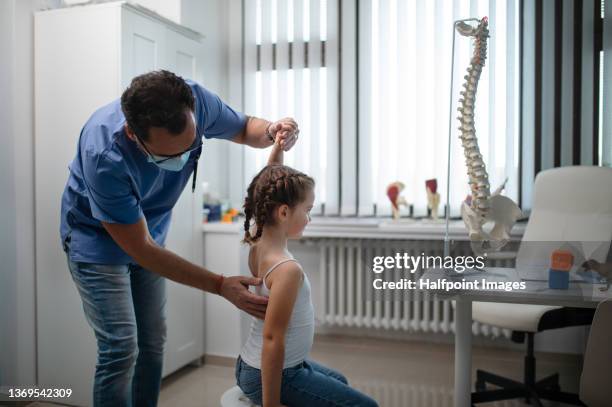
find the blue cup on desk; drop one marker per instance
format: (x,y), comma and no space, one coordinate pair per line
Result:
(558,279)
(560,265)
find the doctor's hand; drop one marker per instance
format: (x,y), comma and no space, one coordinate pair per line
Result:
(287,129)
(236,290)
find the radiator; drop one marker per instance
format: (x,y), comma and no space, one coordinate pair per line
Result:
(343,278)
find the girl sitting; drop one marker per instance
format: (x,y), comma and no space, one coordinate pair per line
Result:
(273,369)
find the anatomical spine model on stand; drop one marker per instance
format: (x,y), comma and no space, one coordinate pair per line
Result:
(484,207)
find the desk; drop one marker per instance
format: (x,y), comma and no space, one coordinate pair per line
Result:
(582,295)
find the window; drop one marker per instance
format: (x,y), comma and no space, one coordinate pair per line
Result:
(405,69)
(291,61)
(378,111)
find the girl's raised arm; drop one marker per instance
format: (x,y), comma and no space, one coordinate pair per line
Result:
(276,155)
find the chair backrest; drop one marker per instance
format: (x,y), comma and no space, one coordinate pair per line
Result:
(570,204)
(595,388)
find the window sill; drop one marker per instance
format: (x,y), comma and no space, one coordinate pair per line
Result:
(371,228)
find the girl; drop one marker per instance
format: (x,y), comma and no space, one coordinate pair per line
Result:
(272,369)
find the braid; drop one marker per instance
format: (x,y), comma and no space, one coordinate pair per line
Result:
(248,213)
(274,185)
(248,210)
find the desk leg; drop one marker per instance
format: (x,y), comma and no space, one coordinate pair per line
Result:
(463,352)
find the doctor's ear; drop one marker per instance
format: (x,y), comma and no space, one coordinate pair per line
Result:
(130,133)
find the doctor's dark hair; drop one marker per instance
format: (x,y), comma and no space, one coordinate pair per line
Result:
(157,99)
(275,185)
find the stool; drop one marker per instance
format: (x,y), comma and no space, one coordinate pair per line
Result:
(234,397)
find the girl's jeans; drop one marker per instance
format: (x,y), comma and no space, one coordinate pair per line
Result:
(305,385)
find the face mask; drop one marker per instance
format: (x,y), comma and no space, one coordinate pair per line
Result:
(170,164)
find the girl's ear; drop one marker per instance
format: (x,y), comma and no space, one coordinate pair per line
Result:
(283,212)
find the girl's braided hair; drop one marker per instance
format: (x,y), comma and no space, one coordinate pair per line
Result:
(273,186)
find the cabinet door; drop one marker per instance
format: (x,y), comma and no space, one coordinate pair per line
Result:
(185,306)
(143,45)
(183,55)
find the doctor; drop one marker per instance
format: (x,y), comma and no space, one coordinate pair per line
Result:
(133,160)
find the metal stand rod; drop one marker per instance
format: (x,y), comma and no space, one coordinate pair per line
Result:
(463,352)
(448,158)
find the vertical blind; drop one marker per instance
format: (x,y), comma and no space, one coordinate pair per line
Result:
(563,65)
(404,82)
(401,76)
(291,70)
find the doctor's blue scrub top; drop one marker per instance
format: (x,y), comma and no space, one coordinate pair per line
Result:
(111,180)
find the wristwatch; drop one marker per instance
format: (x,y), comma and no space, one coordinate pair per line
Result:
(268,134)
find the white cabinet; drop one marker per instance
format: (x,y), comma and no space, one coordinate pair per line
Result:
(84,58)
(223,253)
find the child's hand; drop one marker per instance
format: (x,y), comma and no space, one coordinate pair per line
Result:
(280,142)
(286,129)
(287,138)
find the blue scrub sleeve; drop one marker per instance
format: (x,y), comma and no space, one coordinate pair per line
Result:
(110,193)
(214,117)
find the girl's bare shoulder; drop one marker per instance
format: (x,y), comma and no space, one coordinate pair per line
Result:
(261,260)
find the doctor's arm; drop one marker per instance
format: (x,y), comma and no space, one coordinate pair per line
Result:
(258,132)
(136,241)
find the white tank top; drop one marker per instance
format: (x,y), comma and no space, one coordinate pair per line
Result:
(300,331)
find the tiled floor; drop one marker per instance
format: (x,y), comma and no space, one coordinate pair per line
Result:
(395,373)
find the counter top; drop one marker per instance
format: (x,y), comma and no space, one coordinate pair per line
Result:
(371,228)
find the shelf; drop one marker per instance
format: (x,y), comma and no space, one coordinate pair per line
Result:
(371,228)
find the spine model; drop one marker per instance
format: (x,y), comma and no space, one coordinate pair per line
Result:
(477,171)
(482,207)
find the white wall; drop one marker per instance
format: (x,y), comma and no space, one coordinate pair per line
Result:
(17,318)
(220,22)
(8,276)
(210,18)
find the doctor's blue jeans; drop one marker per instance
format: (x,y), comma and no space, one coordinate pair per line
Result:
(125,306)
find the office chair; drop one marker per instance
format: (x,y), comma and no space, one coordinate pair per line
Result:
(595,389)
(562,197)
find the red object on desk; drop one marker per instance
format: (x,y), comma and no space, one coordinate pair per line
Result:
(561,260)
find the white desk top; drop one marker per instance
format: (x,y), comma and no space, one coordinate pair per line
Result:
(583,295)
